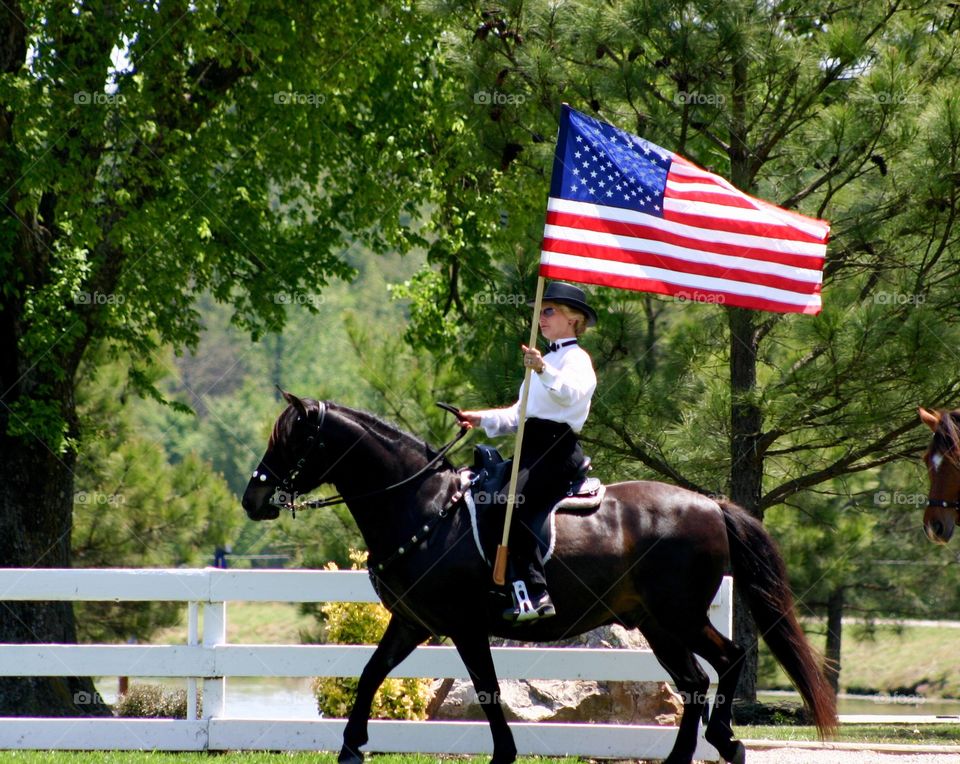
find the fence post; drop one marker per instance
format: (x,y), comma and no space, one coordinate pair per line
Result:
(214,634)
(193,612)
(722,617)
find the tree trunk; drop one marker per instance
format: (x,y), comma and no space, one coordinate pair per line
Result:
(36,517)
(834,634)
(746,460)
(746,470)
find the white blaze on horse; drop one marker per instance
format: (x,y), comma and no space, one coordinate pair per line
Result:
(651,556)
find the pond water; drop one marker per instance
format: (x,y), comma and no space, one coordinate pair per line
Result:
(247,698)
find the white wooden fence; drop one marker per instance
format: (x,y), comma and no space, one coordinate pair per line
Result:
(211,660)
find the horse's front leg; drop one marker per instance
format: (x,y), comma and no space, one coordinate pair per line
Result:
(474,650)
(399,640)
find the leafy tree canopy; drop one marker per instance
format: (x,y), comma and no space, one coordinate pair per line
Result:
(159,151)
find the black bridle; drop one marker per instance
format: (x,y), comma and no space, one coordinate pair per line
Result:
(314,442)
(944,504)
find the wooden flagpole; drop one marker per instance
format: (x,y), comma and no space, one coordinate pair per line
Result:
(500,564)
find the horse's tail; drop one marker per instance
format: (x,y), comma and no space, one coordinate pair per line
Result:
(760,575)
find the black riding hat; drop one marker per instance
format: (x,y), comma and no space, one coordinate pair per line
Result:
(568,294)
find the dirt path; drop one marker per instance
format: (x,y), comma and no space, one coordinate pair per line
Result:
(893,755)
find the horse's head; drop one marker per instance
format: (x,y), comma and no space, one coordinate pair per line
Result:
(943,466)
(295,442)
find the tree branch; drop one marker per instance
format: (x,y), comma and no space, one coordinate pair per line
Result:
(845,465)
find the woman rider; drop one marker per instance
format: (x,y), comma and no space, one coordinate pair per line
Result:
(557,406)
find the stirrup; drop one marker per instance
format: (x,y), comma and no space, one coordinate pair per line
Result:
(525,610)
(524,607)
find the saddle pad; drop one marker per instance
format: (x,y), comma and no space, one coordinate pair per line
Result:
(547,540)
(579,503)
(589,495)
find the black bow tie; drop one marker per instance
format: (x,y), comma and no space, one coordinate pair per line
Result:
(554,346)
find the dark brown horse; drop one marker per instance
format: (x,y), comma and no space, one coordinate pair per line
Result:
(943,466)
(650,557)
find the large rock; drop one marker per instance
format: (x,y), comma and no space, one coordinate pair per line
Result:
(549,700)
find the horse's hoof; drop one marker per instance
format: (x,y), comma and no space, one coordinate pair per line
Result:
(738,755)
(349,756)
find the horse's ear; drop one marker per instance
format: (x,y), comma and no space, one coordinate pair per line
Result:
(294,401)
(930,418)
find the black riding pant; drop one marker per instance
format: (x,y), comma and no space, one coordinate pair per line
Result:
(549,458)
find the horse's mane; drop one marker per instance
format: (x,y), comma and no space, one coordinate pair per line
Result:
(386,430)
(389,431)
(382,427)
(946,438)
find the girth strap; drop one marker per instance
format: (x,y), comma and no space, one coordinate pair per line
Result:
(419,537)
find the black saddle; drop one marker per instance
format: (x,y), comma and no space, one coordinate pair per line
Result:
(492,472)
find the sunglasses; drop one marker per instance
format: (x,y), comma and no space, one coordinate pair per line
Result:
(547,312)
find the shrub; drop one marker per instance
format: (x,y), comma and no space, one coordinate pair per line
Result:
(151,701)
(363,623)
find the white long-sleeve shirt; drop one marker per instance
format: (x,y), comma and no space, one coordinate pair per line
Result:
(560,393)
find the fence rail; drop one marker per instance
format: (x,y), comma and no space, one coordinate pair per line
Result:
(210,660)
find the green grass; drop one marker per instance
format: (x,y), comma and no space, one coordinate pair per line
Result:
(926,735)
(253,757)
(894,660)
(915,659)
(256,623)
(920,734)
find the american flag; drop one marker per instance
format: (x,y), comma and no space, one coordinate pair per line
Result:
(626,213)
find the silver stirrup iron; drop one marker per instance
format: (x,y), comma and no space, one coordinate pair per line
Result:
(522,598)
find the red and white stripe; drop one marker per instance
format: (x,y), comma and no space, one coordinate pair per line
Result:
(713,244)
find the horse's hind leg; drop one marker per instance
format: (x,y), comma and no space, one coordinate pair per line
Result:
(726,657)
(692,684)
(399,640)
(474,650)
